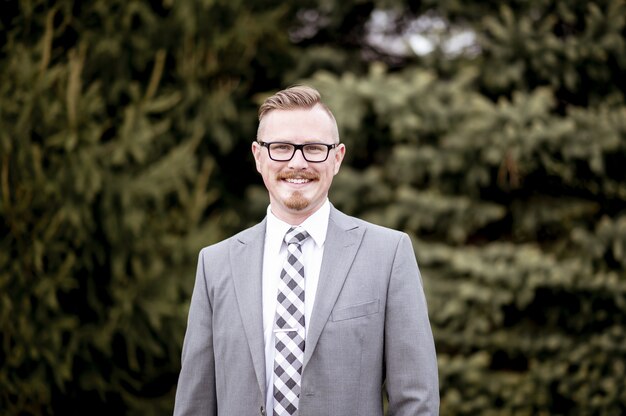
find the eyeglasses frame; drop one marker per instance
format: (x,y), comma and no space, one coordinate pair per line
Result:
(297,147)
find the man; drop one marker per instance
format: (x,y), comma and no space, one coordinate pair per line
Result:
(310,311)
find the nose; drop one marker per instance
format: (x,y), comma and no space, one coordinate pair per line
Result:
(298,161)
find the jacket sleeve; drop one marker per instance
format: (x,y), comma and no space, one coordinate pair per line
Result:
(412,380)
(195,393)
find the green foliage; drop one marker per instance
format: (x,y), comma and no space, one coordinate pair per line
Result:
(113,117)
(517,203)
(124,147)
(577,48)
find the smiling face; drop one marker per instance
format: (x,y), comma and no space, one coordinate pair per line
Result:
(297,188)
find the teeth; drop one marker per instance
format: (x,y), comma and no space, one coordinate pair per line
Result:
(297,180)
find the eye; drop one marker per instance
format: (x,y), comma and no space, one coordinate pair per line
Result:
(315,148)
(281,147)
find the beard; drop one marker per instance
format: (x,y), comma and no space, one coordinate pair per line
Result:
(297,201)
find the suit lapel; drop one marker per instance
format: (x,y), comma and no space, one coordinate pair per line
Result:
(246,258)
(342,242)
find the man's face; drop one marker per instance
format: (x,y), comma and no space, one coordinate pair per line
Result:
(297,188)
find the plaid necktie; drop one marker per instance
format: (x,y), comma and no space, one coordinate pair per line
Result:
(289,329)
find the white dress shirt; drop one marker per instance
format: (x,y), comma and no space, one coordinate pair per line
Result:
(274,257)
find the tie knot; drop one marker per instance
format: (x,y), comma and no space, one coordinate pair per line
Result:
(296,235)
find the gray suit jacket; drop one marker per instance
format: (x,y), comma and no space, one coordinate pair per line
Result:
(369,326)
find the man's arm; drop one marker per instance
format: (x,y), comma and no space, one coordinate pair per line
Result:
(195,394)
(411,363)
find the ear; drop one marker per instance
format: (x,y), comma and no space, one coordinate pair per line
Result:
(340,152)
(256,152)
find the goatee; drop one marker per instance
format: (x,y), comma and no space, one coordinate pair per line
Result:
(297,201)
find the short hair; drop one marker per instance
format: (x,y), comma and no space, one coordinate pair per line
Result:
(294,98)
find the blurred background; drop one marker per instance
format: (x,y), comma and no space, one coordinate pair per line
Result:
(493,133)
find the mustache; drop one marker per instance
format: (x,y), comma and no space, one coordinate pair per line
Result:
(298,175)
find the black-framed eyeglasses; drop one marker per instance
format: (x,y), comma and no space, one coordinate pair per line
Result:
(312,152)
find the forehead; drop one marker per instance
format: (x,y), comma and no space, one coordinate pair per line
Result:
(297,124)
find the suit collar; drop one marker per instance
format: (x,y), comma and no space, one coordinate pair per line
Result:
(246,258)
(342,242)
(343,239)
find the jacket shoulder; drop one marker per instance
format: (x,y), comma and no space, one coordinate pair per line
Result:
(371,229)
(243,236)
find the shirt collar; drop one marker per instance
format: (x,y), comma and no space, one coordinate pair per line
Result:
(316,225)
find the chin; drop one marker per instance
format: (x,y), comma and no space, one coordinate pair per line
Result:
(297,202)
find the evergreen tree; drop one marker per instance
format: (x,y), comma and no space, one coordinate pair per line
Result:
(113,118)
(124,147)
(506,166)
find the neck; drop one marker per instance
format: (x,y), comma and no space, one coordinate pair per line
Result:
(292,219)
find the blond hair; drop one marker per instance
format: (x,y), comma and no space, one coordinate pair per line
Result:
(295,98)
